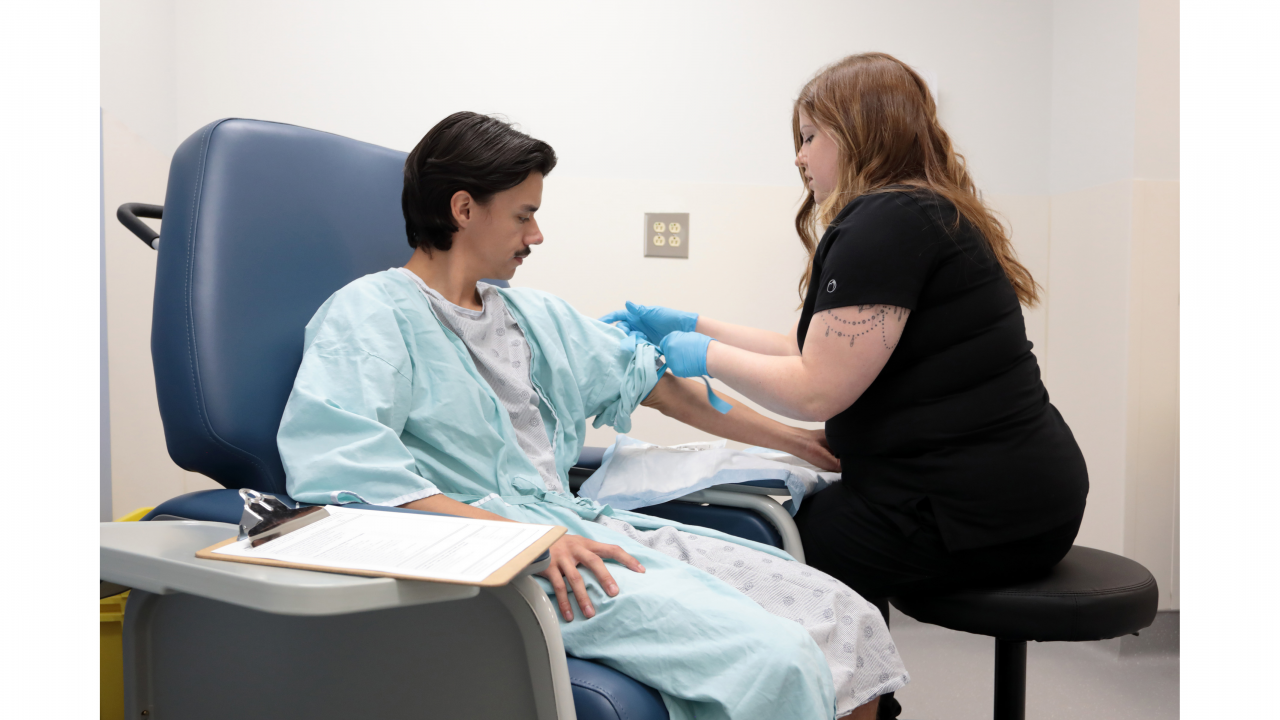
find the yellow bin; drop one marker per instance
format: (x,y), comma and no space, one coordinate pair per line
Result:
(111,617)
(111,627)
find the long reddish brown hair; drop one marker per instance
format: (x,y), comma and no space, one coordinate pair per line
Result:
(885,125)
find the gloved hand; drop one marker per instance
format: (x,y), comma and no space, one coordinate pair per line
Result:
(686,353)
(654,322)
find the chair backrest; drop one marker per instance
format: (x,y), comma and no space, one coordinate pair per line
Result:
(262,222)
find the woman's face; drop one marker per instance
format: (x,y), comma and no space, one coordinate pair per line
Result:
(818,158)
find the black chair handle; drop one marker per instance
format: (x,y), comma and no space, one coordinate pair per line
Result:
(128,215)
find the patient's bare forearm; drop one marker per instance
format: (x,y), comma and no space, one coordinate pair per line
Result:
(686,400)
(448,506)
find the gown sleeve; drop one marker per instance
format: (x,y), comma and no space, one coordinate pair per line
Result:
(612,372)
(339,438)
(635,363)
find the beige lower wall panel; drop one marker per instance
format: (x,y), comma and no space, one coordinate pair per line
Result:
(1175,566)
(1088,332)
(1151,489)
(142,474)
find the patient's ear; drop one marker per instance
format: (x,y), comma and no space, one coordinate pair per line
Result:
(462,205)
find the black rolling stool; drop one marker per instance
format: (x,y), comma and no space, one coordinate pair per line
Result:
(1090,595)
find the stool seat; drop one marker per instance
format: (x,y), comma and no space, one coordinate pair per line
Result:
(1090,595)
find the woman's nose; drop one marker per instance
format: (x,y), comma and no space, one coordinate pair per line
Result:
(800,159)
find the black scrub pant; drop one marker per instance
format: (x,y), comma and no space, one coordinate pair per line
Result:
(849,539)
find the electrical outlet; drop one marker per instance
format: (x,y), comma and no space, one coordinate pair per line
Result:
(666,235)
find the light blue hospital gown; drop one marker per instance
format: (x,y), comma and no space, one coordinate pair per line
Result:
(391,405)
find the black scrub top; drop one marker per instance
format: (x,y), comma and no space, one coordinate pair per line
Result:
(957,431)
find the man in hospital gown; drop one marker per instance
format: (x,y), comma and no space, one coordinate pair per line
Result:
(424,388)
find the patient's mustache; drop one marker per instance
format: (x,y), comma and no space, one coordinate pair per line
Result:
(524,253)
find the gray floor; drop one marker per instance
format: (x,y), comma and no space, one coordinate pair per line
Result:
(1130,678)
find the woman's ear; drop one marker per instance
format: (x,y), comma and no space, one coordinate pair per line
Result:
(462,205)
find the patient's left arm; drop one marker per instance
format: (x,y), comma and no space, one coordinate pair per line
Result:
(686,401)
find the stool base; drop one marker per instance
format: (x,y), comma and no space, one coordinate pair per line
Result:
(1011,680)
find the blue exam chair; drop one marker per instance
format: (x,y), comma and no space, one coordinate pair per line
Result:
(262,222)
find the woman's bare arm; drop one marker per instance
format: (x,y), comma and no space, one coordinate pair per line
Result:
(844,351)
(763,342)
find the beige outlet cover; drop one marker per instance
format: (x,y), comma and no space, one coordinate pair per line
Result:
(677,242)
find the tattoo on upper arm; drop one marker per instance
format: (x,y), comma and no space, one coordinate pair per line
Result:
(870,321)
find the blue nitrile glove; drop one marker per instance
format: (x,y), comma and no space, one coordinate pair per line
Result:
(686,353)
(655,321)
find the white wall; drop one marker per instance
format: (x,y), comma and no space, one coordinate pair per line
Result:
(683,91)
(1094,52)
(671,106)
(105,500)
(139,76)
(139,101)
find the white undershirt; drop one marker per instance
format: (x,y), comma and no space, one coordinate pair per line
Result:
(502,355)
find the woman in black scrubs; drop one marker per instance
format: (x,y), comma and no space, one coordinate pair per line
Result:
(911,347)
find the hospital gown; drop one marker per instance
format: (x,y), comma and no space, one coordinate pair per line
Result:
(390,406)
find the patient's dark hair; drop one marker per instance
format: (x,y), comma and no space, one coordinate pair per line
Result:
(465,151)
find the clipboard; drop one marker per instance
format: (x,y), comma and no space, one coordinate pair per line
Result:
(273,520)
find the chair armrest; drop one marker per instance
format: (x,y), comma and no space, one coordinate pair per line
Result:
(590,458)
(769,508)
(589,461)
(756,487)
(747,496)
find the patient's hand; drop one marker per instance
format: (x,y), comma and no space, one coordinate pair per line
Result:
(567,554)
(813,447)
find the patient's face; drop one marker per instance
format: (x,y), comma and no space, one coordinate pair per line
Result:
(506,230)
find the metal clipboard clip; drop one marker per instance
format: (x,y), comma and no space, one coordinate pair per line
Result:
(265,518)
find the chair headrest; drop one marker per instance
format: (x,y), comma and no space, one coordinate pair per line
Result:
(262,222)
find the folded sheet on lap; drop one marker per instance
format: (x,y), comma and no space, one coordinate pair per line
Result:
(636,474)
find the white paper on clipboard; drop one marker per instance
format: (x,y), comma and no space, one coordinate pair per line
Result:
(431,547)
